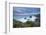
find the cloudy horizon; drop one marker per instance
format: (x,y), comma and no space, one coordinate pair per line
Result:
(19,13)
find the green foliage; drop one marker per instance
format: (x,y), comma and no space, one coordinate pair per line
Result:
(17,24)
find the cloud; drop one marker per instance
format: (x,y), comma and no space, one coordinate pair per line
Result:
(26,10)
(26,13)
(20,9)
(24,20)
(33,18)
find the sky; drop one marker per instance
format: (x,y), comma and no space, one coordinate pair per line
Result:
(19,13)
